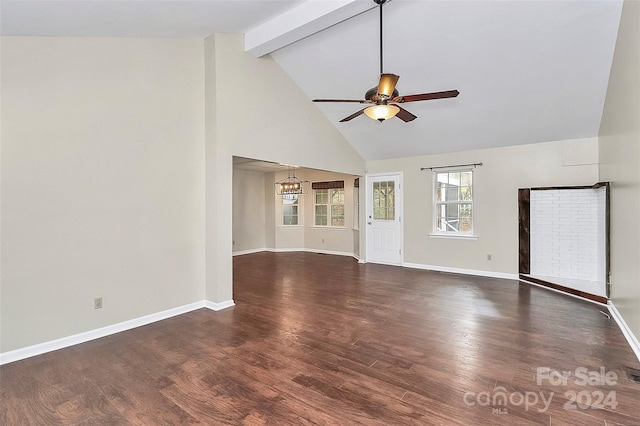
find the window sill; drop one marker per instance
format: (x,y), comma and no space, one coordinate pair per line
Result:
(454,236)
(290,226)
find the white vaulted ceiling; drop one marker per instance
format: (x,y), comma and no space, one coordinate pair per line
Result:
(136,18)
(527,71)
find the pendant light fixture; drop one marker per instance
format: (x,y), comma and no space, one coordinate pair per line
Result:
(292,185)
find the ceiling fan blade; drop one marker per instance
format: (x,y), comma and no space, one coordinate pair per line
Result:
(426,96)
(387,85)
(405,115)
(352,116)
(360,101)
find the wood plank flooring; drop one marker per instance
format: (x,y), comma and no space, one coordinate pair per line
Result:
(318,339)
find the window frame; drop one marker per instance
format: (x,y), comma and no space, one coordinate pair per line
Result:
(356,207)
(298,215)
(329,208)
(436,204)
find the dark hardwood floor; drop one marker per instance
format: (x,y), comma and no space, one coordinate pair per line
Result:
(317,339)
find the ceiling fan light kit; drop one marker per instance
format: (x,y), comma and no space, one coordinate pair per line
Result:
(381,112)
(385,95)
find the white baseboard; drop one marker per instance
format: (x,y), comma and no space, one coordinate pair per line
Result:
(480,273)
(64,342)
(284,250)
(624,327)
(335,253)
(401,264)
(311,250)
(220,305)
(241,252)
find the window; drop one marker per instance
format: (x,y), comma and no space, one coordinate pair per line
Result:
(290,209)
(453,202)
(328,199)
(356,203)
(384,200)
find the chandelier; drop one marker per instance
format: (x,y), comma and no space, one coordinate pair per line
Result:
(291,185)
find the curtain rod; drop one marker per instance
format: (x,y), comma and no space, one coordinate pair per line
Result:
(447,167)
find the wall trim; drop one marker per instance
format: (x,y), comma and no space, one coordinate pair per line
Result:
(297,249)
(624,327)
(284,250)
(64,342)
(218,306)
(311,250)
(337,253)
(250,251)
(490,274)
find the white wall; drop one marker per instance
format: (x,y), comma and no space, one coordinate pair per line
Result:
(567,230)
(496,184)
(620,164)
(248,210)
(102,182)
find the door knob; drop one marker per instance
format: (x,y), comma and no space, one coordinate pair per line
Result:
(369,223)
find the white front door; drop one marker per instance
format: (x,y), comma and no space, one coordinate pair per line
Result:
(384,218)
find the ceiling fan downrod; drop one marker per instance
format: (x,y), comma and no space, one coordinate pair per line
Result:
(380,3)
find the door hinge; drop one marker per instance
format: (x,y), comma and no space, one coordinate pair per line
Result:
(400,251)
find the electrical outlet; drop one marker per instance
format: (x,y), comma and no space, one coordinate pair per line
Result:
(488,257)
(97,303)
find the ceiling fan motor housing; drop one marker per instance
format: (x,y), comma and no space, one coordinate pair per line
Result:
(372,94)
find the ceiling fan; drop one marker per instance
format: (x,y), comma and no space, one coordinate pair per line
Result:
(385,97)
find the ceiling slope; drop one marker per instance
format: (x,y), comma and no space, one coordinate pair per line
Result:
(527,72)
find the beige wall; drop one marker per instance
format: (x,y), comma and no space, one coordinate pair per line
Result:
(262,227)
(504,170)
(117,173)
(102,182)
(620,164)
(259,113)
(248,210)
(270,210)
(263,114)
(331,239)
(307,236)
